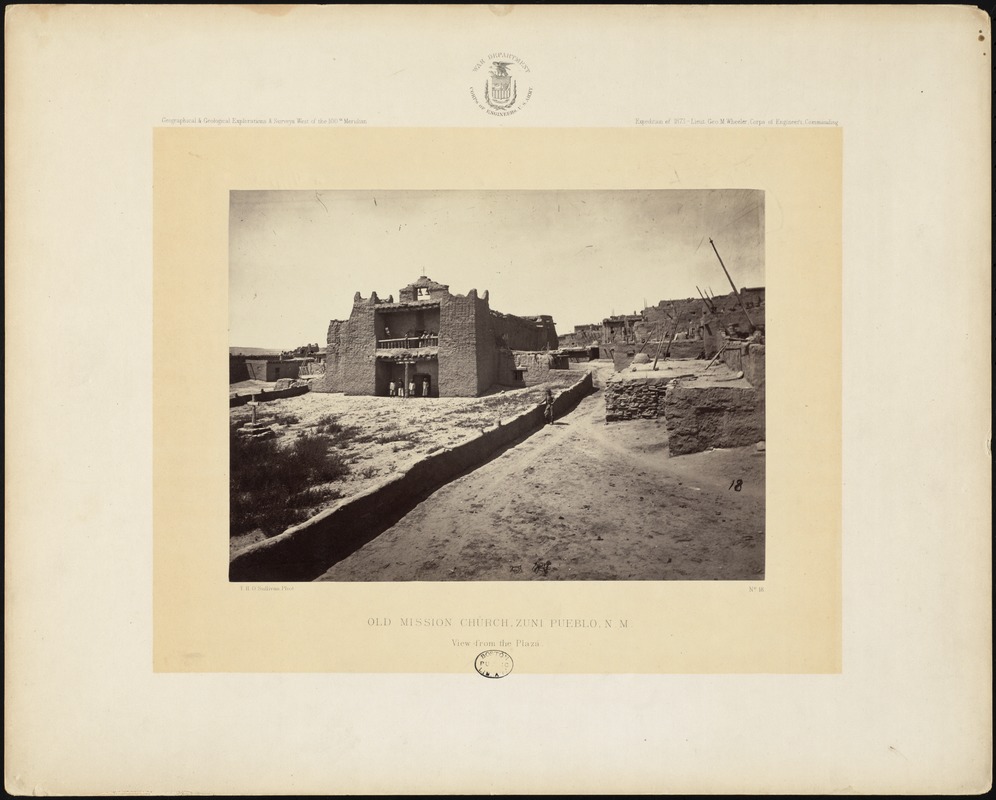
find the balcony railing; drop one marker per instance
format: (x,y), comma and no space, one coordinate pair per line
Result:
(409,342)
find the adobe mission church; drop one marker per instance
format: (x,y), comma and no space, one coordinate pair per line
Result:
(446,345)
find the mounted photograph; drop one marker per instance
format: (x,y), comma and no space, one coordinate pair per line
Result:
(461,385)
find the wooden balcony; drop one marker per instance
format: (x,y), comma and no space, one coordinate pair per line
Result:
(409,342)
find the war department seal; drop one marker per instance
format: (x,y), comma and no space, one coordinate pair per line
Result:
(493,663)
(506,88)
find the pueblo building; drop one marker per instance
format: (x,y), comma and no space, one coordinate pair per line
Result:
(432,343)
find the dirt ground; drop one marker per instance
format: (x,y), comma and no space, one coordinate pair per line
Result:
(582,500)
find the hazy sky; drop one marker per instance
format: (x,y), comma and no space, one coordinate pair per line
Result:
(297,257)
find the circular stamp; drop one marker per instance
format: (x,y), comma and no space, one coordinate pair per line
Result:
(501,84)
(493,664)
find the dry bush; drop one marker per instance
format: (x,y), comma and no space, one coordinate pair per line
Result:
(272,487)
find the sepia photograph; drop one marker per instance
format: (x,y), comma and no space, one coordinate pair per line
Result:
(657,583)
(462,385)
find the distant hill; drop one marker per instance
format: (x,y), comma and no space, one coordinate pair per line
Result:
(252,351)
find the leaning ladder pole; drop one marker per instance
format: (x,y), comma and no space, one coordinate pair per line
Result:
(715,357)
(660,344)
(652,334)
(733,286)
(677,320)
(697,289)
(657,355)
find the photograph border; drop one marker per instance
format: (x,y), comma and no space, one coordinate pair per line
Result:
(793,625)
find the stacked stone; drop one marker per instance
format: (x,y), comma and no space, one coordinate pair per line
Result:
(639,398)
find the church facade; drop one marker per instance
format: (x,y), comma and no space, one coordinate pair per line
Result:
(430,343)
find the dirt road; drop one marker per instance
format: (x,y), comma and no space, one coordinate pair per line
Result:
(582,500)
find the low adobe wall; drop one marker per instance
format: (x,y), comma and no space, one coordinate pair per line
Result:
(304,552)
(263,396)
(748,358)
(700,417)
(680,348)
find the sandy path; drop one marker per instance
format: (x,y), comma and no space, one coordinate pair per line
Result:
(582,500)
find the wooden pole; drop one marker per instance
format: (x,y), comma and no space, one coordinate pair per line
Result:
(733,286)
(657,355)
(667,352)
(649,339)
(721,349)
(660,344)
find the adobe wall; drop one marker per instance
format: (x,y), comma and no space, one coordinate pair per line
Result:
(746,357)
(523,334)
(714,409)
(488,346)
(623,354)
(712,416)
(263,396)
(548,334)
(506,369)
(357,348)
(712,337)
(237,369)
(270,370)
(753,365)
(536,367)
(332,381)
(471,337)
(458,357)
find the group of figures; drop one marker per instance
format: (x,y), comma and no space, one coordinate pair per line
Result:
(415,389)
(413,338)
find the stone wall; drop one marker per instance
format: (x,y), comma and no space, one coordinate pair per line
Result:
(638,398)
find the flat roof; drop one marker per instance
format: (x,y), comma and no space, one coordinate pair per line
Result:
(406,304)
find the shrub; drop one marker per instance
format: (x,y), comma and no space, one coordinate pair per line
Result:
(272,487)
(339,435)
